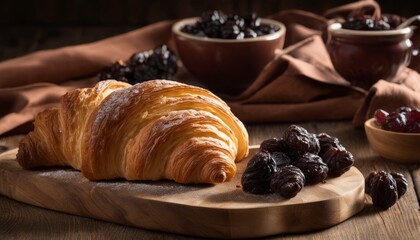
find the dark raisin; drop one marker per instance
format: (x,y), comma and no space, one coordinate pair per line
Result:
(393,20)
(273,145)
(258,173)
(230,31)
(338,161)
(313,168)
(160,64)
(326,142)
(118,71)
(402,183)
(365,23)
(214,16)
(281,159)
(368,182)
(298,139)
(249,33)
(267,29)
(383,190)
(288,181)
(215,24)
(139,58)
(252,21)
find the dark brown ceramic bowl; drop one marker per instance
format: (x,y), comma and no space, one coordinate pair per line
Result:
(364,57)
(226,66)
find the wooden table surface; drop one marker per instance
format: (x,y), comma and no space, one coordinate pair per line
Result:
(22,221)
(401,221)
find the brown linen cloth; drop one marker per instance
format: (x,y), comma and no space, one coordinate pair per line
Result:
(298,85)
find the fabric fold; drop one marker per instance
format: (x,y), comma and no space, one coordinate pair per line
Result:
(299,84)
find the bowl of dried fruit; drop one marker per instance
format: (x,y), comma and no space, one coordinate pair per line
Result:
(365,49)
(227,52)
(395,135)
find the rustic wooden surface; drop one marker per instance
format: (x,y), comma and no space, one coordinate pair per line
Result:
(22,221)
(399,222)
(221,210)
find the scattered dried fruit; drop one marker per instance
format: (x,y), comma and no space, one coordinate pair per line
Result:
(160,63)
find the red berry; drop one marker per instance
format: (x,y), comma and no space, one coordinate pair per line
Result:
(414,115)
(380,116)
(395,122)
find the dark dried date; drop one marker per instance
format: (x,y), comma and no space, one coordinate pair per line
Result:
(368,182)
(338,161)
(383,190)
(281,159)
(326,142)
(288,181)
(159,63)
(258,173)
(299,148)
(273,145)
(402,183)
(300,141)
(313,168)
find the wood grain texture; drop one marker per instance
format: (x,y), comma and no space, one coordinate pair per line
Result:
(222,211)
(395,146)
(19,220)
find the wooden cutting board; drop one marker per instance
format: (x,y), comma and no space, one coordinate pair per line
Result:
(221,211)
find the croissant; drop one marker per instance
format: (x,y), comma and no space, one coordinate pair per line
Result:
(154,130)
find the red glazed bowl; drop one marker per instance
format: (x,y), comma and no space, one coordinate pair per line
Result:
(364,57)
(226,66)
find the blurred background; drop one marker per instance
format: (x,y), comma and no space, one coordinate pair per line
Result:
(30,25)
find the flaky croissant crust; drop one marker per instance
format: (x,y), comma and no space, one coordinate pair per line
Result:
(155,130)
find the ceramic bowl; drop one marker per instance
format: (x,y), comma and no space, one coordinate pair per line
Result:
(395,146)
(364,57)
(227,66)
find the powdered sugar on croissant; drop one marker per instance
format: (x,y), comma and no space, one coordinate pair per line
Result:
(155,130)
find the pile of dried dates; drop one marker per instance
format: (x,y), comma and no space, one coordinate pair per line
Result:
(284,165)
(404,119)
(216,24)
(385,188)
(160,63)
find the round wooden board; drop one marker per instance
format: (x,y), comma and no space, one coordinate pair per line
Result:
(221,211)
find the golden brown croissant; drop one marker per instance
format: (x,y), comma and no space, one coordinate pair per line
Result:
(154,130)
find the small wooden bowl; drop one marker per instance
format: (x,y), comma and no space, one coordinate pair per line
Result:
(396,146)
